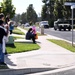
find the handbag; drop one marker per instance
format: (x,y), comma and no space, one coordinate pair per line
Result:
(36,36)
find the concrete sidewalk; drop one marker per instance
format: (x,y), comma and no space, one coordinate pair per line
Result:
(48,58)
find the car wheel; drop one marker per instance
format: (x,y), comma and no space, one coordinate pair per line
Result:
(64,29)
(69,29)
(55,28)
(59,29)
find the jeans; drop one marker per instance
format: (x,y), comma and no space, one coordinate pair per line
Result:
(1,54)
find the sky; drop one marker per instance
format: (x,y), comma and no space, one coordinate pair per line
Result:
(21,5)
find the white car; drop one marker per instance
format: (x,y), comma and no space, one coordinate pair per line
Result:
(44,23)
(27,25)
(62,24)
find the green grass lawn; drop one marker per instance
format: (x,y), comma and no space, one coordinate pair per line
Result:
(4,67)
(17,31)
(17,37)
(63,44)
(21,47)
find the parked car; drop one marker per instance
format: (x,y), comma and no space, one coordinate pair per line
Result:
(44,23)
(62,24)
(27,24)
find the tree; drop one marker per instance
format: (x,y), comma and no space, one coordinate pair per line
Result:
(23,18)
(31,14)
(44,13)
(59,9)
(8,8)
(47,11)
(17,17)
(68,9)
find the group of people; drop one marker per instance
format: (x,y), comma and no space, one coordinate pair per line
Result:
(31,34)
(4,31)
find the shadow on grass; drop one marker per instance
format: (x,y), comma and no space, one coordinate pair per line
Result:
(26,42)
(11,45)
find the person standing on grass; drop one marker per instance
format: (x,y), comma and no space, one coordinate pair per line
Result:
(3,33)
(5,38)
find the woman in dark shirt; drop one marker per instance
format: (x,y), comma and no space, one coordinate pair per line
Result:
(30,35)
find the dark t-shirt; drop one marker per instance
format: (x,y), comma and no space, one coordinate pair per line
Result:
(2,33)
(29,35)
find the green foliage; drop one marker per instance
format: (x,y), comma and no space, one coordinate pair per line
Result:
(23,18)
(17,31)
(8,8)
(47,9)
(4,67)
(51,22)
(63,44)
(68,10)
(44,1)
(59,9)
(18,37)
(28,16)
(31,14)
(44,14)
(21,47)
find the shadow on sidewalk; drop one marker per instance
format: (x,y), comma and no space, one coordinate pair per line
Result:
(8,61)
(36,70)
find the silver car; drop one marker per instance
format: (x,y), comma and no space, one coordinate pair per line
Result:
(44,23)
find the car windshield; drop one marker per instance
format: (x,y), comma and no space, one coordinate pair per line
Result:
(46,23)
(63,22)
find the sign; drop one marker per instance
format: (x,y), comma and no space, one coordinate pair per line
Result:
(69,3)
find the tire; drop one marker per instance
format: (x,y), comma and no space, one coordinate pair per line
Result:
(55,28)
(64,29)
(59,29)
(69,29)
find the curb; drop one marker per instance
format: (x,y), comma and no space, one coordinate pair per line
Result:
(23,71)
(41,71)
(37,71)
(63,71)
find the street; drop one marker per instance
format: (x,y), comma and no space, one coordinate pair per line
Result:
(67,35)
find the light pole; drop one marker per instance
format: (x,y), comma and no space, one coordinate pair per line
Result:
(72,7)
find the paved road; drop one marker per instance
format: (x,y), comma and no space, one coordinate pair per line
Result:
(61,72)
(67,35)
